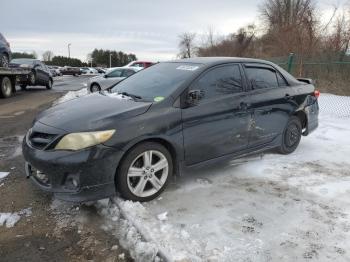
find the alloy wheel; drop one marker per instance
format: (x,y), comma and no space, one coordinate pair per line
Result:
(147,173)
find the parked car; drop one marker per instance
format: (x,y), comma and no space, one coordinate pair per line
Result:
(69,70)
(88,71)
(174,115)
(5,52)
(112,77)
(39,75)
(55,70)
(101,70)
(140,64)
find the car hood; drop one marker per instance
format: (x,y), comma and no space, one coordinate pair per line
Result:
(92,112)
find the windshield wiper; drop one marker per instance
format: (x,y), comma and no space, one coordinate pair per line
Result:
(130,95)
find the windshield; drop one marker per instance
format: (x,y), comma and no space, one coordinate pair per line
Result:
(22,61)
(156,82)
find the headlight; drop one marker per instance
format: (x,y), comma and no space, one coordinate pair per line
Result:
(76,141)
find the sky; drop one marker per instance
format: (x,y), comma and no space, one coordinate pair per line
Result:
(147,28)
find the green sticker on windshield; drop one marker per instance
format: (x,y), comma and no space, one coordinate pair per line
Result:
(158,99)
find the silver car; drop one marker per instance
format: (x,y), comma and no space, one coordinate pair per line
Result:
(110,78)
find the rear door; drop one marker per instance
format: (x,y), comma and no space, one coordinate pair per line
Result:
(271,100)
(39,72)
(218,125)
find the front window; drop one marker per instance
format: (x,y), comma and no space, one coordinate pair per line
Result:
(157,82)
(115,73)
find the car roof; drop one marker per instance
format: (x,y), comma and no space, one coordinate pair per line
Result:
(219,60)
(212,61)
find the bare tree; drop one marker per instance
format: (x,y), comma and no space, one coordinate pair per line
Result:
(237,44)
(47,56)
(187,45)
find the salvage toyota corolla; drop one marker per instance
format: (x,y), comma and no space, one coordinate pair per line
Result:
(132,139)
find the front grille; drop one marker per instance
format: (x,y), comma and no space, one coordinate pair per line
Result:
(41,140)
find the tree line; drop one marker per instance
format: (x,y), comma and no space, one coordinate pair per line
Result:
(285,26)
(97,58)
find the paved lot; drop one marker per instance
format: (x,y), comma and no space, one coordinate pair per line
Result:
(46,229)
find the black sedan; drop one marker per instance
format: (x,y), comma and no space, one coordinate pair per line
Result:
(171,116)
(5,52)
(40,74)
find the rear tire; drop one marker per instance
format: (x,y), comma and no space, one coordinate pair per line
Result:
(5,87)
(135,170)
(291,136)
(4,60)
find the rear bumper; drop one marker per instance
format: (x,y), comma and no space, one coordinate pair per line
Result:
(78,176)
(312,112)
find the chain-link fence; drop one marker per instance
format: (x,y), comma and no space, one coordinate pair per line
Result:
(330,76)
(337,106)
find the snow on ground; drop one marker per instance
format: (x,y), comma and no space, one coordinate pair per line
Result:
(3,175)
(261,208)
(11,219)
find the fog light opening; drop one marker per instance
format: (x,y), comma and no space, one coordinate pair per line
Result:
(72,182)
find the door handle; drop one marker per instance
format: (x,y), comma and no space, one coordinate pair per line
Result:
(288,97)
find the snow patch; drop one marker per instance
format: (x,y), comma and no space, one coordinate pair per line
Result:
(72,95)
(162,216)
(126,232)
(3,175)
(11,219)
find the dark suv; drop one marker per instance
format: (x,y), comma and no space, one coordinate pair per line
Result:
(5,52)
(170,116)
(40,74)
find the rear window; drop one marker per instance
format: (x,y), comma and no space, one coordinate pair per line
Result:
(22,61)
(158,81)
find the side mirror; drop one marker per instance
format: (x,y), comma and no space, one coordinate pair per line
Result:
(105,76)
(194,96)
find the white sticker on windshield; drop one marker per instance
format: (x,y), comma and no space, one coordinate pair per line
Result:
(187,67)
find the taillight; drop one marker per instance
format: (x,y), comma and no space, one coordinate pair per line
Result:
(317,93)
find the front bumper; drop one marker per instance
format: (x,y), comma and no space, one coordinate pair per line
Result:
(77,176)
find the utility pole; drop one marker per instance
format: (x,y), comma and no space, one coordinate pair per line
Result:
(69,49)
(110,60)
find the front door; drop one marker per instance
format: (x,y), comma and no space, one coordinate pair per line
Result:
(218,125)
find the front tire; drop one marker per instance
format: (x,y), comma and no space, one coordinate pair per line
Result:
(32,78)
(49,84)
(144,172)
(291,136)
(4,60)
(95,88)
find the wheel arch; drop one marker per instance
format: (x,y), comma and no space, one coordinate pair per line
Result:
(302,117)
